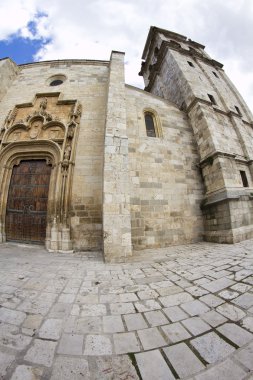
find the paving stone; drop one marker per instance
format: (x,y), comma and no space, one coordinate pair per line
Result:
(118,367)
(213,318)
(242,274)
(183,360)
(156,318)
(169,290)
(135,321)
(245,356)
(65,368)
(175,332)
(240,287)
(247,323)
(113,324)
(153,366)
(122,308)
(71,344)
(147,305)
(245,300)
(228,294)
(97,345)
(67,298)
(235,334)
(196,326)
(128,297)
(175,299)
(227,370)
(211,300)
(41,352)
(9,337)
(147,294)
(93,310)
(51,329)
(13,317)
(211,347)
(175,314)
(125,343)
(25,372)
(32,321)
(60,310)
(151,338)
(196,291)
(88,325)
(5,362)
(195,307)
(217,285)
(231,312)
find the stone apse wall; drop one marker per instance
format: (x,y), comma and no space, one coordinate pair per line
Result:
(112,186)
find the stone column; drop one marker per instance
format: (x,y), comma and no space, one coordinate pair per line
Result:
(116,198)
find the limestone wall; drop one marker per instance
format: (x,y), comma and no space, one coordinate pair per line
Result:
(166,187)
(86,82)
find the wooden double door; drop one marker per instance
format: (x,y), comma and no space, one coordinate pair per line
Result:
(26,212)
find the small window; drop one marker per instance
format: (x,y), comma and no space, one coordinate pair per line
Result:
(150,124)
(190,64)
(211,99)
(215,74)
(238,110)
(244,178)
(56,82)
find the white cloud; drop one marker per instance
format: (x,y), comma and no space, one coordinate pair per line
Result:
(92,28)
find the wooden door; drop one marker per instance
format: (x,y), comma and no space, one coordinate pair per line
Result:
(26,213)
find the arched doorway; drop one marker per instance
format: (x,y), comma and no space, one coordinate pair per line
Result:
(26,210)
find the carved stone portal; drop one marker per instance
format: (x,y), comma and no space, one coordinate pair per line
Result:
(47,129)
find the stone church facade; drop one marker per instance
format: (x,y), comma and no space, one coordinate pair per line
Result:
(88,162)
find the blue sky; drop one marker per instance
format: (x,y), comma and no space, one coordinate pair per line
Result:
(20,50)
(34,30)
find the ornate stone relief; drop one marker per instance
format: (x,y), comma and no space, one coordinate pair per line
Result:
(48,124)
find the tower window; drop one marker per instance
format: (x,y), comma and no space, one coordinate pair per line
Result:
(244,178)
(150,124)
(190,64)
(238,110)
(215,74)
(212,99)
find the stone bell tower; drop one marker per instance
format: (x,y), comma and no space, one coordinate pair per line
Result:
(179,70)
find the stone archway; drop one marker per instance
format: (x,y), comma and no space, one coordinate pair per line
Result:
(26,210)
(34,131)
(10,157)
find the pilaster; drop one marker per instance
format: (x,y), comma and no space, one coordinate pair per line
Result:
(116,199)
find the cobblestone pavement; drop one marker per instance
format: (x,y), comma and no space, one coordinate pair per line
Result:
(181,312)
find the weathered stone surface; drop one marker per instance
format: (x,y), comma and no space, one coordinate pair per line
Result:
(183,360)
(97,345)
(70,368)
(41,352)
(5,362)
(70,344)
(152,366)
(27,372)
(235,334)
(211,347)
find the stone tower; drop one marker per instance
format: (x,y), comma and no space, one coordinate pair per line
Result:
(179,70)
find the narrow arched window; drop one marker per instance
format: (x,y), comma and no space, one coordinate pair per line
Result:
(150,125)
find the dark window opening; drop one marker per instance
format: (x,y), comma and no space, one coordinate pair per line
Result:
(244,178)
(238,110)
(211,99)
(215,74)
(190,64)
(150,125)
(56,82)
